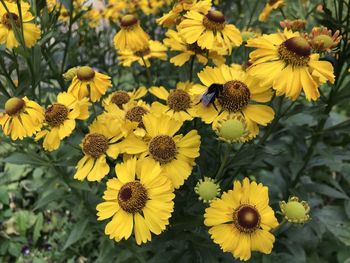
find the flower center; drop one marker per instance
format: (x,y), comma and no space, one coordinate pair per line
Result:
(196,49)
(119,98)
(246,218)
(295,51)
(235,96)
(14,106)
(85,73)
(6,20)
(162,148)
(179,100)
(143,52)
(132,197)
(214,21)
(56,114)
(272,2)
(324,40)
(95,144)
(135,114)
(128,21)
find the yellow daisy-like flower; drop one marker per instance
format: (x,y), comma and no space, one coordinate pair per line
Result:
(89,83)
(175,15)
(175,153)
(122,97)
(131,36)
(176,43)
(210,31)
(10,18)
(285,62)
(154,49)
(22,118)
(139,200)
(269,7)
(102,140)
(179,102)
(60,119)
(233,128)
(241,220)
(237,92)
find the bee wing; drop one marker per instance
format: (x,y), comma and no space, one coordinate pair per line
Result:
(207,98)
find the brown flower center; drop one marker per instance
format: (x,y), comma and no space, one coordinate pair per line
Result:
(246,218)
(272,2)
(235,96)
(6,20)
(135,114)
(56,114)
(132,197)
(162,148)
(14,106)
(119,98)
(295,51)
(85,73)
(143,52)
(196,49)
(179,100)
(214,20)
(128,21)
(95,144)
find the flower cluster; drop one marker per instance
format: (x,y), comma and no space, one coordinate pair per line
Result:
(143,143)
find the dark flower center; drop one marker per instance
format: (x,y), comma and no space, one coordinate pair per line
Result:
(214,20)
(56,114)
(196,49)
(14,105)
(6,20)
(85,73)
(135,114)
(179,100)
(132,197)
(162,148)
(95,144)
(235,96)
(143,52)
(128,21)
(246,218)
(119,98)
(295,51)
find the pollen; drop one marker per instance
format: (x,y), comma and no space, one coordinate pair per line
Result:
(95,144)
(56,114)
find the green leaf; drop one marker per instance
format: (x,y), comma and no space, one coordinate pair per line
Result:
(77,233)
(23,158)
(50,196)
(336,222)
(4,197)
(38,226)
(325,190)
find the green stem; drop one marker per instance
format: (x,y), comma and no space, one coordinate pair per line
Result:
(223,161)
(284,221)
(148,72)
(191,68)
(68,38)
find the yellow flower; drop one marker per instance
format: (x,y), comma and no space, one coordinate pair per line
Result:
(89,82)
(154,49)
(175,153)
(269,7)
(210,31)
(22,118)
(102,140)
(138,200)
(10,16)
(233,128)
(241,220)
(176,43)
(122,97)
(131,36)
(237,93)
(60,119)
(175,15)
(285,62)
(179,102)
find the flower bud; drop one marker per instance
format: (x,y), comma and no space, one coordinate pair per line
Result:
(295,211)
(207,189)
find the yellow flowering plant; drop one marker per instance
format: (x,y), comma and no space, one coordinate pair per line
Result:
(174,131)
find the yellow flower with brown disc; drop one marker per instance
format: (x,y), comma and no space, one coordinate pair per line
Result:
(22,118)
(241,220)
(187,51)
(139,199)
(229,89)
(175,153)
(60,119)
(11,16)
(89,83)
(210,31)
(179,102)
(153,49)
(122,97)
(286,62)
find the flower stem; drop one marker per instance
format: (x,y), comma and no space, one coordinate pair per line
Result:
(223,161)
(148,72)
(191,68)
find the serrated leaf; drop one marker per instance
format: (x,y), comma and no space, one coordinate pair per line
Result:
(76,234)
